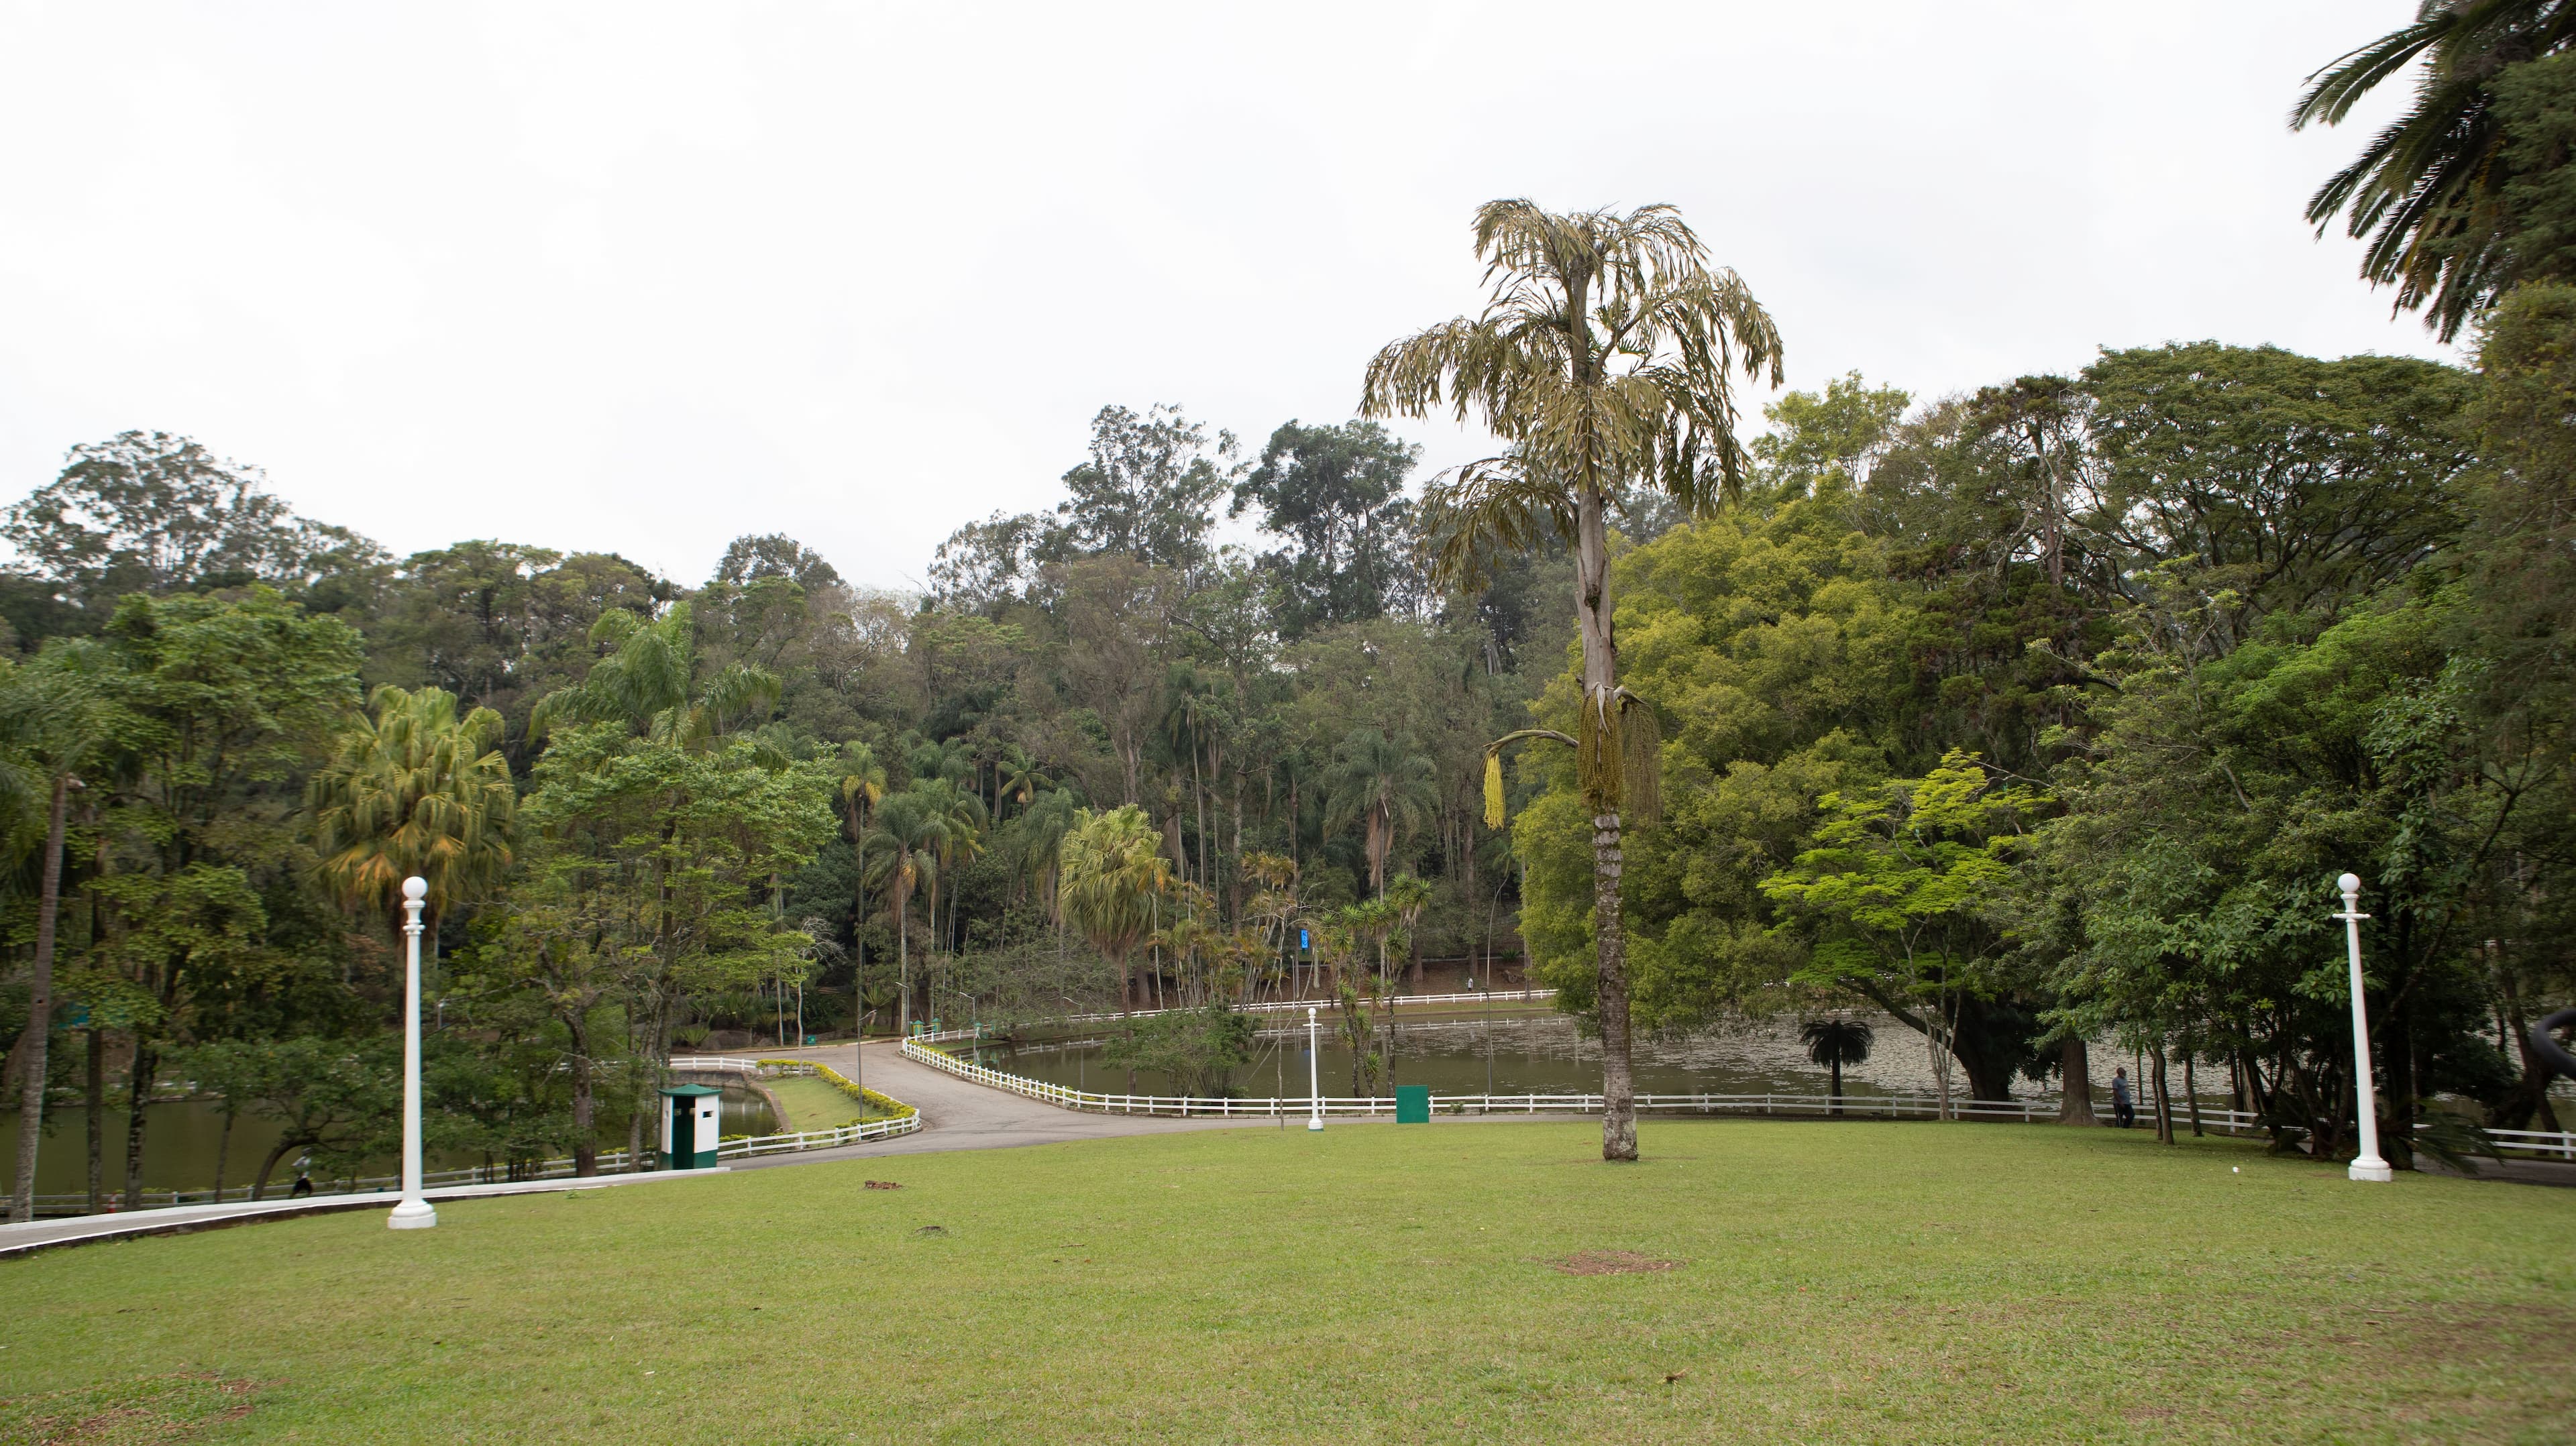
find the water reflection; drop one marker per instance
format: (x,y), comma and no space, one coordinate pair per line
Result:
(181,1139)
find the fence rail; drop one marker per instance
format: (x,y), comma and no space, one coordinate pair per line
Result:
(924,1049)
(610,1162)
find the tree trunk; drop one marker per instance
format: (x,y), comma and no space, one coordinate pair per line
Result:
(2191,1092)
(2075,1083)
(40,1008)
(259,1186)
(2164,1100)
(96,1108)
(139,1084)
(1837,1067)
(1610,967)
(223,1154)
(585,1109)
(2393,1033)
(1618,1090)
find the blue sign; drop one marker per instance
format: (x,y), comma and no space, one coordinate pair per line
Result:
(1301,938)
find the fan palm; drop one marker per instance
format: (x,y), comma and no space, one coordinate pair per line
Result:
(1834,1043)
(1113,877)
(1386,784)
(2428,191)
(417,790)
(1602,360)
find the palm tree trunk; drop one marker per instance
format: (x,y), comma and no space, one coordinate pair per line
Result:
(1837,1068)
(1610,968)
(40,1008)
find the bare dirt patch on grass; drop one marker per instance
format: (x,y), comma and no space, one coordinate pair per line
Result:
(153,1409)
(1613,1262)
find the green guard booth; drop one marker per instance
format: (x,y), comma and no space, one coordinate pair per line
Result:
(691,1116)
(1413,1104)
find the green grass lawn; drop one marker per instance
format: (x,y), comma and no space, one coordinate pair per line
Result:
(1847,1281)
(815,1104)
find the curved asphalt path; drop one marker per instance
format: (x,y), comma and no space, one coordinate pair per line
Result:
(959,1115)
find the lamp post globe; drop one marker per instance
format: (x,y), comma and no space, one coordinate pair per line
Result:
(2368,1165)
(412,1212)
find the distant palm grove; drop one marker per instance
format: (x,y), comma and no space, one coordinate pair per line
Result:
(2036,716)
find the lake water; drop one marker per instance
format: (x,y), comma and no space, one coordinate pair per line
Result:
(182,1136)
(1543,1054)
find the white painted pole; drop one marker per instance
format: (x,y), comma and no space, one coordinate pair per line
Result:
(1314,1094)
(2368,1165)
(413,1212)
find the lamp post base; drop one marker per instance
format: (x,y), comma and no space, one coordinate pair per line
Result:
(2374,1170)
(412,1215)
(1314,1122)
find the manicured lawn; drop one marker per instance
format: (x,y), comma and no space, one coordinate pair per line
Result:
(1844,1281)
(814,1104)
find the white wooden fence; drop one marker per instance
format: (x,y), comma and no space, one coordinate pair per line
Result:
(610,1162)
(924,1049)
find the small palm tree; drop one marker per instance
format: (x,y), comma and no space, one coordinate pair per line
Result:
(1834,1043)
(1113,878)
(1602,360)
(417,790)
(1385,783)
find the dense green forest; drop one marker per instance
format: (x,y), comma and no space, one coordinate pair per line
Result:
(2035,716)
(2028,716)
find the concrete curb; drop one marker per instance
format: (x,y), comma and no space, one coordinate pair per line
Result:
(23,1239)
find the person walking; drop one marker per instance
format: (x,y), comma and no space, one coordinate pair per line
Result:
(2122,1107)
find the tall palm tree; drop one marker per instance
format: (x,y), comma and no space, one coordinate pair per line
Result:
(911,828)
(417,790)
(961,841)
(1386,784)
(1041,834)
(2428,191)
(860,781)
(1602,361)
(1113,878)
(1834,1043)
(50,717)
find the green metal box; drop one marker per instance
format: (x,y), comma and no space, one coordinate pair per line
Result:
(1413,1104)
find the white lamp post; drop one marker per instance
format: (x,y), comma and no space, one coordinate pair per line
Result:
(2368,1165)
(412,1212)
(1314,1095)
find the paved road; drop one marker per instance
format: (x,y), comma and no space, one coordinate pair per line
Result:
(956,1115)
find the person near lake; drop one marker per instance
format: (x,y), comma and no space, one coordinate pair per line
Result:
(2121,1106)
(303,1179)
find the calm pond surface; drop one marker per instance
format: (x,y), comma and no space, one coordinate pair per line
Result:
(1543,1054)
(182,1137)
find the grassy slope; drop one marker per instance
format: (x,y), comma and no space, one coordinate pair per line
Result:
(1844,1282)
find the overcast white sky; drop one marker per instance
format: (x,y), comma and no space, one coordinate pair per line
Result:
(635,278)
